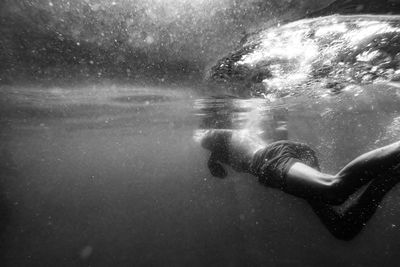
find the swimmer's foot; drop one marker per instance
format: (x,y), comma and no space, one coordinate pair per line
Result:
(393,174)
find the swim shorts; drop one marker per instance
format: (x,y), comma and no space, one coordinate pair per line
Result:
(272,163)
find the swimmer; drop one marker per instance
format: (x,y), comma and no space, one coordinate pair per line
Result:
(293,168)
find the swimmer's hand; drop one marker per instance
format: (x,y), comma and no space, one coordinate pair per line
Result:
(217,142)
(231,147)
(215,167)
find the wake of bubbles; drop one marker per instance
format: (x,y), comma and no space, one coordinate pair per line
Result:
(316,56)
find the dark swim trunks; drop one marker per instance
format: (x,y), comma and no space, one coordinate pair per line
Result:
(272,163)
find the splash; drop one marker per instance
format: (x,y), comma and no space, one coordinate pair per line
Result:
(329,52)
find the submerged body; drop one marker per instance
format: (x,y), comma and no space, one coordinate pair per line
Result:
(317,58)
(293,168)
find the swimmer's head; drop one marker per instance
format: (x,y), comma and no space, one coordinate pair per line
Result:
(213,139)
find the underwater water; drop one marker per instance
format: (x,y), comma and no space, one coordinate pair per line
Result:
(112,175)
(100,159)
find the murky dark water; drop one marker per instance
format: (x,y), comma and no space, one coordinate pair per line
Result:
(113,175)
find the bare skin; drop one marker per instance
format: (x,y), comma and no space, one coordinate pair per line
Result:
(237,148)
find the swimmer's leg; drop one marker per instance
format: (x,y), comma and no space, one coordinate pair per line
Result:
(309,183)
(347,224)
